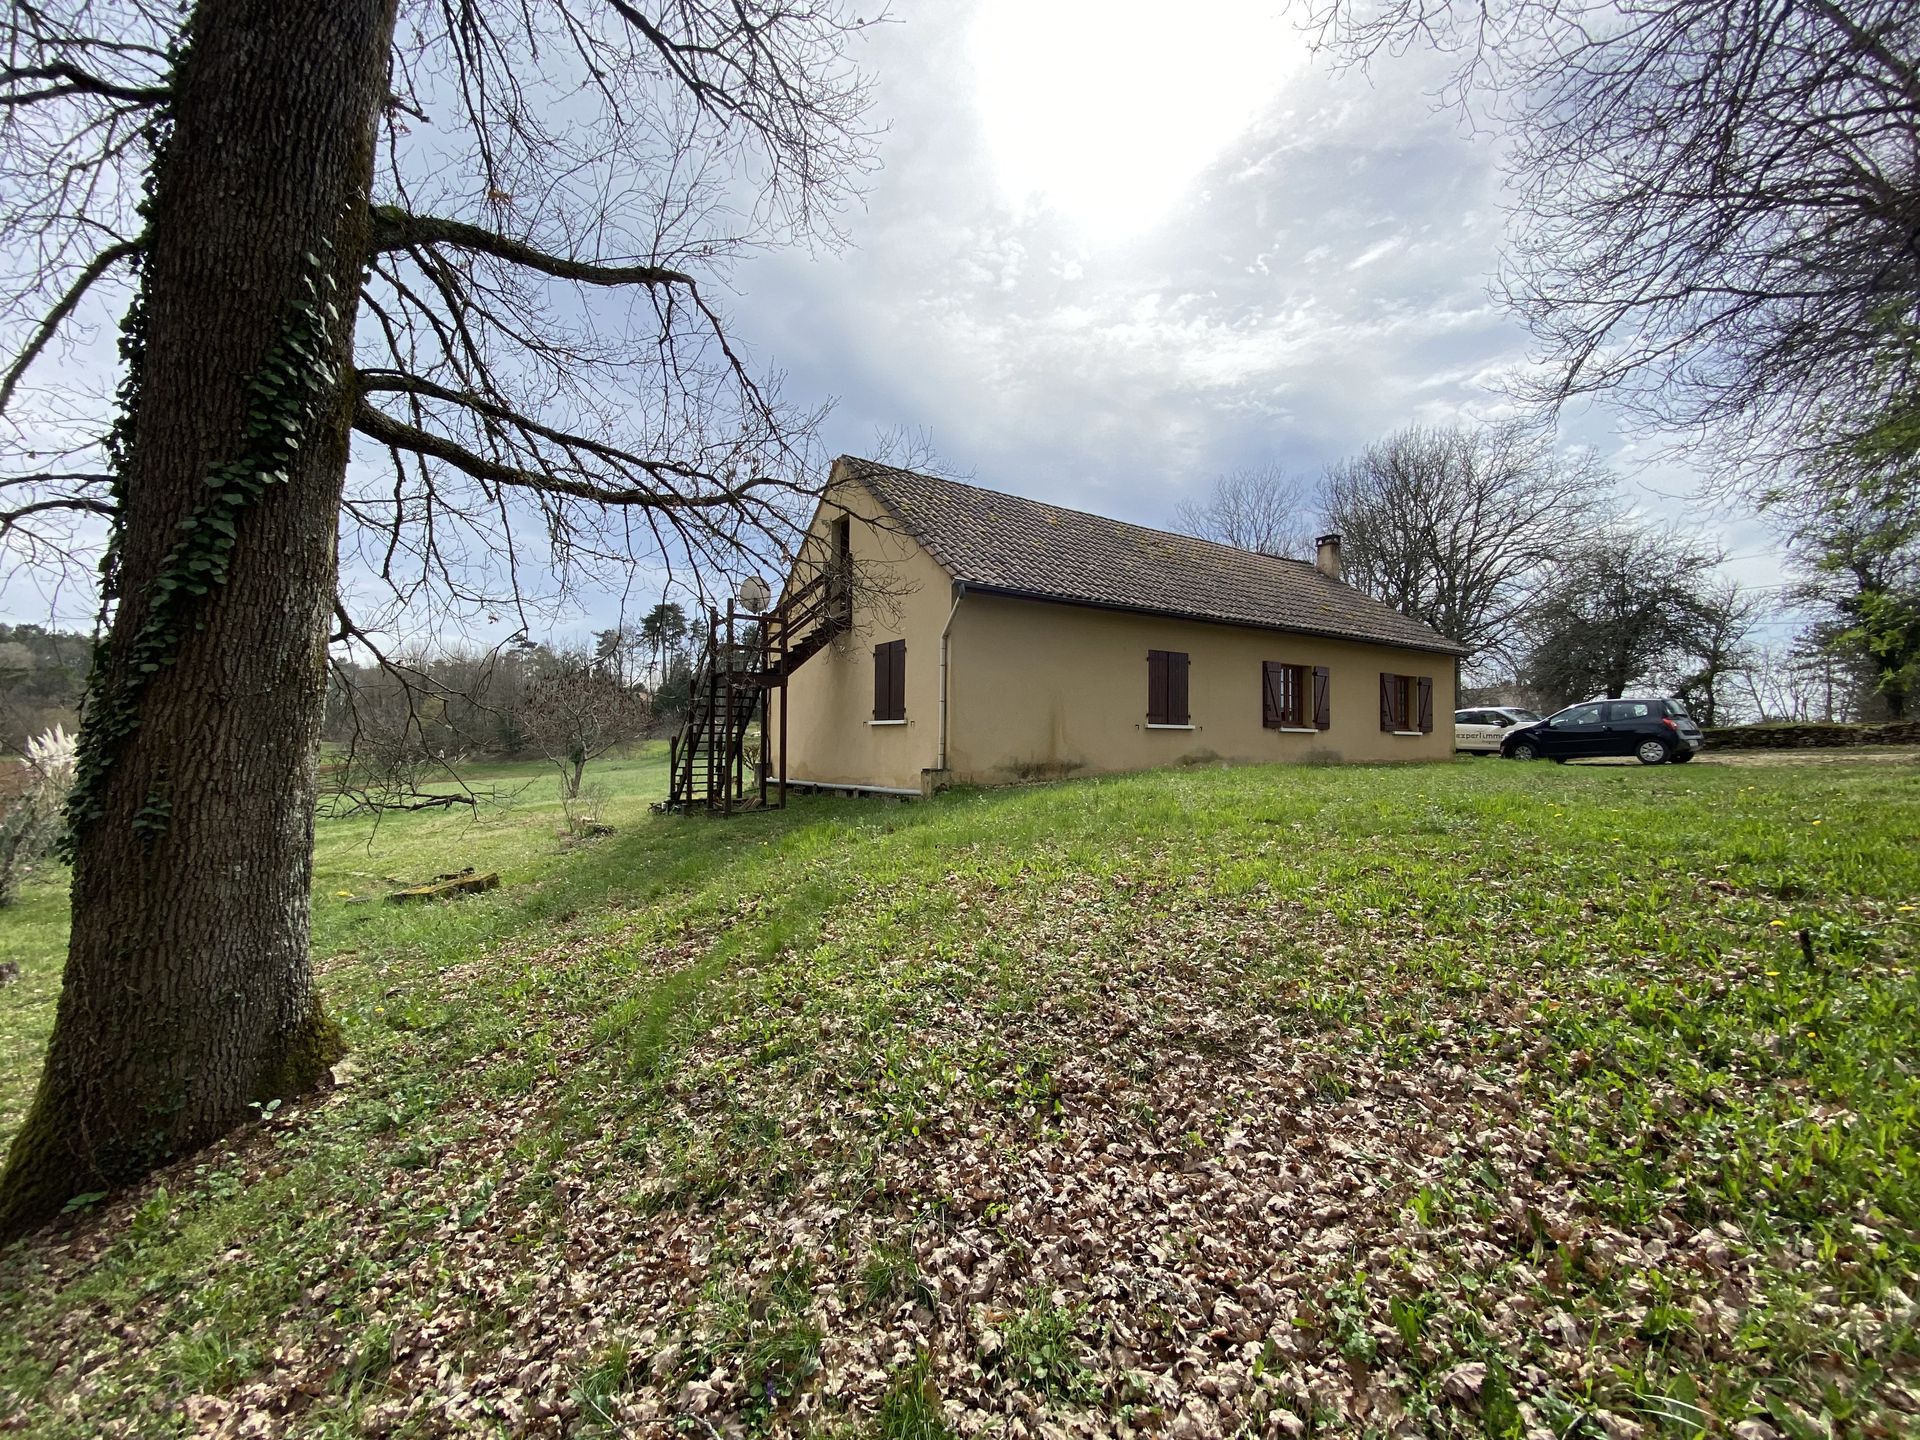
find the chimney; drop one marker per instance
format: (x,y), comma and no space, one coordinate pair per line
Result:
(1327,562)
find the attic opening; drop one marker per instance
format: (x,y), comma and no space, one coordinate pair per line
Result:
(840,575)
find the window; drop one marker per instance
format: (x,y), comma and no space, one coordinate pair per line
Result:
(1629,710)
(1167,688)
(1578,715)
(890,683)
(1284,696)
(1282,704)
(1406,704)
(840,576)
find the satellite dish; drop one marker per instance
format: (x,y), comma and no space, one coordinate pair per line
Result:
(754,595)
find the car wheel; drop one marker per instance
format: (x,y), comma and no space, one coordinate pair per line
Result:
(1523,751)
(1652,752)
(1681,757)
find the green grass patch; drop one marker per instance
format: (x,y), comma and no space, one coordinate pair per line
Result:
(701,1122)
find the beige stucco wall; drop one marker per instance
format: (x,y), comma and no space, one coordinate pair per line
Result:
(1039,689)
(900,593)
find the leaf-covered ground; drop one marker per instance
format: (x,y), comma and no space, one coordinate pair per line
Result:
(1471,1099)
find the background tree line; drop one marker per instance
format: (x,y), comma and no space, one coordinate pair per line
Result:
(390,723)
(394,726)
(1524,553)
(43,673)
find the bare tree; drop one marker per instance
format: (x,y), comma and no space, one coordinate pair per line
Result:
(1722,651)
(1461,527)
(1627,606)
(479,236)
(1810,679)
(1716,202)
(1267,510)
(577,710)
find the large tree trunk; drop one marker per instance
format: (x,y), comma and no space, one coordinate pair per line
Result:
(188,994)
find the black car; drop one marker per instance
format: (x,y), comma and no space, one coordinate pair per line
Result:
(1651,728)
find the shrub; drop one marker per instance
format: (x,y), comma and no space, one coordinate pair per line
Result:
(31,817)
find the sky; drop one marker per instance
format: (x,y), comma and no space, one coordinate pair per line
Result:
(1107,259)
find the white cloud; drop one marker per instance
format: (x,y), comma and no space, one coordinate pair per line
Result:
(1103,110)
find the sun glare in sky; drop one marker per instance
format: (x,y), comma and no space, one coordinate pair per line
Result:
(1105,110)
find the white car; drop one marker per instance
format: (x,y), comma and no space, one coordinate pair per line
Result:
(1479,730)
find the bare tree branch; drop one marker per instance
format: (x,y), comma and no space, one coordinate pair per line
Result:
(70,79)
(397,230)
(378,425)
(10,518)
(55,317)
(1716,202)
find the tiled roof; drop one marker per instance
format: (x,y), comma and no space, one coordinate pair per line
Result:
(1022,547)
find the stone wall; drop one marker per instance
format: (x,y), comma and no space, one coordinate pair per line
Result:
(1805,737)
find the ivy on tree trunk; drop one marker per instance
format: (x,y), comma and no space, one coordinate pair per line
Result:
(188,994)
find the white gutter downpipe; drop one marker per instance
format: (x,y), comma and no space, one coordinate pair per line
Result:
(959,590)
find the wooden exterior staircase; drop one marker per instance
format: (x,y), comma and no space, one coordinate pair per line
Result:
(732,695)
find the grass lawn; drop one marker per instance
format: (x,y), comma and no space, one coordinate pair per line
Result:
(1465,1099)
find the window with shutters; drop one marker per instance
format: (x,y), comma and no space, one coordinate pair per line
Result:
(1167,690)
(1283,696)
(890,683)
(1406,704)
(1295,697)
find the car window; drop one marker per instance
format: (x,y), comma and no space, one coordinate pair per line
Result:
(1524,717)
(1677,710)
(1578,715)
(1629,710)
(1466,717)
(1475,717)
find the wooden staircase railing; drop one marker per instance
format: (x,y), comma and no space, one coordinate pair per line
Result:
(732,690)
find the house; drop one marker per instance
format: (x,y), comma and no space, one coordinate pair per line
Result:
(995,639)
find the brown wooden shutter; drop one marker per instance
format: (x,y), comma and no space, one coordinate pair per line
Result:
(1157,688)
(1177,688)
(890,680)
(1270,695)
(1387,693)
(1322,701)
(1426,704)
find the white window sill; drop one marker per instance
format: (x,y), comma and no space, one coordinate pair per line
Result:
(1296,730)
(1152,726)
(886,722)
(1416,734)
